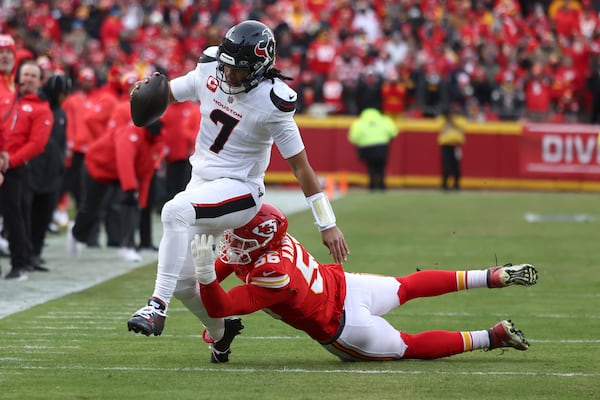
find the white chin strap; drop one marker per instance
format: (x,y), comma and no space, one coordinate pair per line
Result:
(228,89)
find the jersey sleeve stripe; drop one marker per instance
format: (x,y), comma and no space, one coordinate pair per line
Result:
(282,105)
(205,58)
(275,282)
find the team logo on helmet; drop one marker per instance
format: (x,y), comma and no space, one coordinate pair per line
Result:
(264,48)
(266,229)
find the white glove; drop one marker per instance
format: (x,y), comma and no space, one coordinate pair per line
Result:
(203,255)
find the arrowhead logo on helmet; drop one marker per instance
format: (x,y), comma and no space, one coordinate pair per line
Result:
(266,229)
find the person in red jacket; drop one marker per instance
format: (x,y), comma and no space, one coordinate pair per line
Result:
(342,311)
(7,94)
(7,67)
(24,132)
(78,136)
(126,157)
(181,122)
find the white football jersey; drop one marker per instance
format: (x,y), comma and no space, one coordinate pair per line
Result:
(237,131)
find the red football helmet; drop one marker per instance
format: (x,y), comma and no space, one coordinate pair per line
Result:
(264,232)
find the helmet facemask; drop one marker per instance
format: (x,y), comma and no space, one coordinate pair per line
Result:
(236,250)
(244,245)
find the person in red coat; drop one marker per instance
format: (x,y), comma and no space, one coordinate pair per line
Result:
(181,124)
(7,68)
(24,133)
(126,157)
(76,106)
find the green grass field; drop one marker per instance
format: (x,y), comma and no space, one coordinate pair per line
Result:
(78,347)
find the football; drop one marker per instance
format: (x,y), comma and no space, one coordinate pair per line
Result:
(150,100)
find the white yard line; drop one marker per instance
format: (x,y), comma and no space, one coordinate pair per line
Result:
(15,369)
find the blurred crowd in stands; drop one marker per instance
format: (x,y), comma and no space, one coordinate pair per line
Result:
(491,59)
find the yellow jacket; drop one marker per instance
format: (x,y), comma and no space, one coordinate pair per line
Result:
(450,135)
(372,128)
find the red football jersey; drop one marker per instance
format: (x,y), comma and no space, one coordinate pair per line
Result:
(289,284)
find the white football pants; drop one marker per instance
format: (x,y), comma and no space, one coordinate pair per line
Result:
(366,335)
(208,207)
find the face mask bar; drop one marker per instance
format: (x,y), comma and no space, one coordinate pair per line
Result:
(236,250)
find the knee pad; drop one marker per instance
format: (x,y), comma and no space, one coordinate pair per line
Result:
(176,214)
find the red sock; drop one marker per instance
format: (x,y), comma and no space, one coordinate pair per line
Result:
(426,284)
(429,345)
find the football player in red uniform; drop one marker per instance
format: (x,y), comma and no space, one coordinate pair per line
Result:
(341,310)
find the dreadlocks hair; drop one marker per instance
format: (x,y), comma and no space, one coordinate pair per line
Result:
(275,73)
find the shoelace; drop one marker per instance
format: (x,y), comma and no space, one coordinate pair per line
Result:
(149,311)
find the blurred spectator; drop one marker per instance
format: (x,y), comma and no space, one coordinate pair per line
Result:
(451,139)
(459,88)
(508,99)
(125,158)
(393,95)
(23,136)
(433,93)
(7,67)
(47,170)
(97,120)
(111,27)
(482,89)
(565,18)
(320,56)
(306,90)
(78,136)
(347,67)
(333,94)
(588,20)
(181,125)
(366,22)
(537,87)
(371,133)
(396,47)
(369,86)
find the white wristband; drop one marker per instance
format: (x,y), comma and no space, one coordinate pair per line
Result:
(322,211)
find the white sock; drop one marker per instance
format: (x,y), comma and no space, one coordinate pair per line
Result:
(476,279)
(475,340)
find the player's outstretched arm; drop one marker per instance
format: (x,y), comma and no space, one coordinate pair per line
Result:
(323,213)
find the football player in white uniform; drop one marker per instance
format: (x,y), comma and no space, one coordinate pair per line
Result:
(246,107)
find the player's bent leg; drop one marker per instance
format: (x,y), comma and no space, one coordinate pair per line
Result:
(219,332)
(177,216)
(427,283)
(372,339)
(376,293)
(188,293)
(220,349)
(430,345)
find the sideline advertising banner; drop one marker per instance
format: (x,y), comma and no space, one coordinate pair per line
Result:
(560,151)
